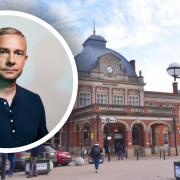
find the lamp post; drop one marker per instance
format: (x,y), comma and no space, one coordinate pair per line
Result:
(68,135)
(174,71)
(97,124)
(175,141)
(81,142)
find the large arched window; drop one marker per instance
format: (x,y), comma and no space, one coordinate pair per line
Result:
(137,134)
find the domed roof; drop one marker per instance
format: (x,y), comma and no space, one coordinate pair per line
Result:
(95,40)
(95,47)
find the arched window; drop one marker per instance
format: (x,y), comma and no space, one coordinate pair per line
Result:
(137,134)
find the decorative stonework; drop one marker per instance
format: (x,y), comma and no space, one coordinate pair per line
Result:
(118,91)
(168,105)
(133,92)
(102,89)
(151,104)
(85,88)
(109,65)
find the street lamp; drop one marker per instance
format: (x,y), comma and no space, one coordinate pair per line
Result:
(174,70)
(81,141)
(97,124)
(175,141)
(68,135)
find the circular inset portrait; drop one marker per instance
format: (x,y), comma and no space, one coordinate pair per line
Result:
(38,81)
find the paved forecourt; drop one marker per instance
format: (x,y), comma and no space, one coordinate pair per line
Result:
(144,169)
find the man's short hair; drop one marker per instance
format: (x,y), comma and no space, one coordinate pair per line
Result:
(10,30)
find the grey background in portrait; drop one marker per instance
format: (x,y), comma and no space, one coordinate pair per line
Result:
(48,71)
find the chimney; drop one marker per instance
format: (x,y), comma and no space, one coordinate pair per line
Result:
(132,63)
(175,87)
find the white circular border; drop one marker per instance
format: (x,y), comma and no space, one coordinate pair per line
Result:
(75,80)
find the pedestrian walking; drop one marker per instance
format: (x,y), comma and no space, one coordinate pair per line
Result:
(119,150)
(35,152)
(95,153)
(3,166)
(12,160)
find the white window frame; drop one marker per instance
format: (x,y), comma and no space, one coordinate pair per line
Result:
(133,100)
(118,99)
(102,98)
(84,98)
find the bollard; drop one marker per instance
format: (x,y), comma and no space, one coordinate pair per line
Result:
(160,154)
(164,154)
(137,154)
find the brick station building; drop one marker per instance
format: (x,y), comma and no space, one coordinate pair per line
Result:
(112,106)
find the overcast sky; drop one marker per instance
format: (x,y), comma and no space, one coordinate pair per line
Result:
(145,30)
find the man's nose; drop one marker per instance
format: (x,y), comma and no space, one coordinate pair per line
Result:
(10,60)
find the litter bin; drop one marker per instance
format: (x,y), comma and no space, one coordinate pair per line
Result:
(177,170)
(43,166)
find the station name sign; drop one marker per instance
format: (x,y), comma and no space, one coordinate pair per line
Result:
(108,120)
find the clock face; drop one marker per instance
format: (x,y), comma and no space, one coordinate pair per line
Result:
(109,69)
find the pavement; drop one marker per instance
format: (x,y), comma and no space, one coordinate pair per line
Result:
(131,169)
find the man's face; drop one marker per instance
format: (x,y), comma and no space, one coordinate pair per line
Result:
(12,56)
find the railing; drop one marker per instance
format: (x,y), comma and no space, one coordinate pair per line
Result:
(128,110)
(164,110)
(111,108)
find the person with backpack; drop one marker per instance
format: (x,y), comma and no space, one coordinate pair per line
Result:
(119,150)
(96,155)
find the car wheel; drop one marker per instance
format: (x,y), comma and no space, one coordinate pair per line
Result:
(56,164)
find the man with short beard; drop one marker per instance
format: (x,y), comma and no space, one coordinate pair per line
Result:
(22,114)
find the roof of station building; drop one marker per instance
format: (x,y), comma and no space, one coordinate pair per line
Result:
(95,47)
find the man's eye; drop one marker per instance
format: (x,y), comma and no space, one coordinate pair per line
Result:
(3,51)
(19,53)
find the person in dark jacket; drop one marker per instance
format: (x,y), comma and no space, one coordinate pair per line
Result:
(119,150)
(95,153)
(12,160)
(3,166)
(35,152)
(22,112)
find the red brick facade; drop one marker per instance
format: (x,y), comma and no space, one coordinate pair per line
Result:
(112,107)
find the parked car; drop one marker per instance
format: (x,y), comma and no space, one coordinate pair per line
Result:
(48,152)
(21,157)
(63,157)
(91,161)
